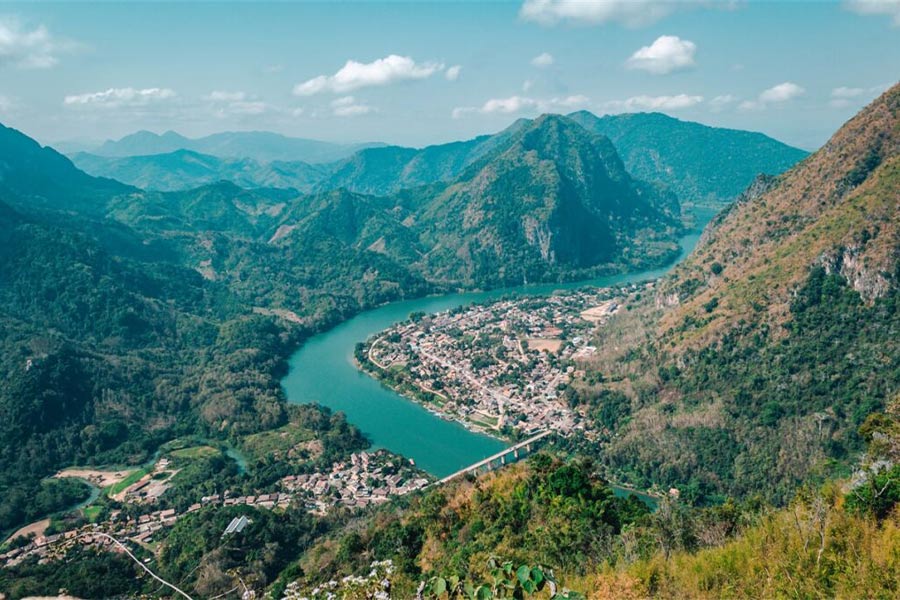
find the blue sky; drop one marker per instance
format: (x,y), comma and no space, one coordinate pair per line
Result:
(432,72)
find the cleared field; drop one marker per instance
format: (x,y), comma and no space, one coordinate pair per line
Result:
(283,442)
(599,313)
(37,528)
(545,344)
(99,478)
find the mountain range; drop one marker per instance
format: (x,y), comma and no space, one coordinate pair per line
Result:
(696,162)
(257,145)
(185,169)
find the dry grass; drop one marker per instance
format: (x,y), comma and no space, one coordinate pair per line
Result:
(810,550)
(551,345)
(767,246)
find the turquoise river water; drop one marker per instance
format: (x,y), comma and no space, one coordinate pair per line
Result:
(323,371)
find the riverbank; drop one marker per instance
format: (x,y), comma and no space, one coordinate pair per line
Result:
(324,371)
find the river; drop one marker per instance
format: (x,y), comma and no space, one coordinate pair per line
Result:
(323,371)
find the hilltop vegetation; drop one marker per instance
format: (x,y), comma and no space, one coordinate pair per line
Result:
(838,540)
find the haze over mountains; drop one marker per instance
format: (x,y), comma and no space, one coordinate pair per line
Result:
(696,162)
(185,169)
(258,145)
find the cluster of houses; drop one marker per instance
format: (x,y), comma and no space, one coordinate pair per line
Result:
(48,548)
(151,486)
(368,478)
(500,364)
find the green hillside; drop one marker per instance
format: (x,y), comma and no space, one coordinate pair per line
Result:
(698,163)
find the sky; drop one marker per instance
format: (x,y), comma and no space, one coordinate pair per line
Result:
(430,72)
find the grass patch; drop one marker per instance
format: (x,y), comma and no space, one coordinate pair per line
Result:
(277,442)
(133,478)
(196,452)
(92,513)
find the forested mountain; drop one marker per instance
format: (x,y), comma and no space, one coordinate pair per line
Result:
(551,202)
(770,345)
(46,178)
(697,162)
(257,145)
(186,169)
(554,196)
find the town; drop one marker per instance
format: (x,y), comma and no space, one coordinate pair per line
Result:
(498,367)
(368,478)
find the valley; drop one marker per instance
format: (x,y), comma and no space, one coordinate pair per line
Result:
(261,364)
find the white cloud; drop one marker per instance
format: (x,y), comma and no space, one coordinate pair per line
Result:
(512,104)
(5,103)
(720,102)
(778,94)
(887,8)
(640,103)
(254,107)
(571,101)
(667,54)
(631,13)
(347,106)
(523,104)
(781,92)
(354,75)
(28,48)
(545,59)
(843,97)
(847,92)
(226,104)
(219,96)
(452,73)
(118,97)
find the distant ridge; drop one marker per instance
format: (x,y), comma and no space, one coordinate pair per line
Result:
(696,161)
(186,169)
(258,145)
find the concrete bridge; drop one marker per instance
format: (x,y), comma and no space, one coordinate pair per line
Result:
(508,456)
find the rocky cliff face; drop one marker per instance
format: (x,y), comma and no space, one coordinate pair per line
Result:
(838,208)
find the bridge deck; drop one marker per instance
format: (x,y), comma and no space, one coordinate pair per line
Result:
(490,459)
